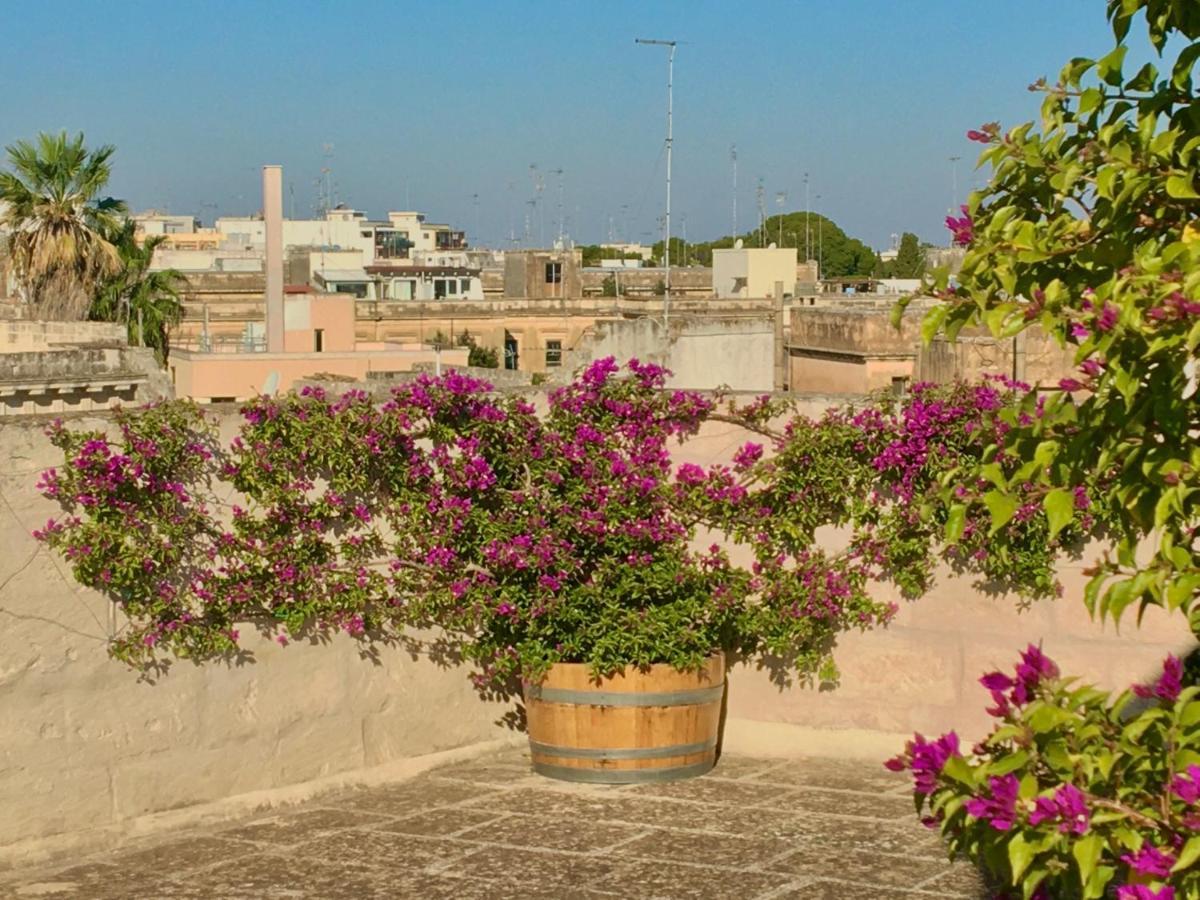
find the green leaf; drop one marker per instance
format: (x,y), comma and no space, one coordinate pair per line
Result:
(932,322)
(1108,67)
(1002,508)
(1180,187)
(1060,509)
(956,522)
(1189,854)
(1087,851)
(1020,855)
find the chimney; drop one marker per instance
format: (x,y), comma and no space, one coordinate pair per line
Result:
(272,188)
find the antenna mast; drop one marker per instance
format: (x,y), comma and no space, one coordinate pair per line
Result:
(733,159)
(670,45)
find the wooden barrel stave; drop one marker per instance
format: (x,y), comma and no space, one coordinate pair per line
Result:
(638,726)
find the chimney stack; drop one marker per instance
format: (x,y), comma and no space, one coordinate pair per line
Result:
(272,188)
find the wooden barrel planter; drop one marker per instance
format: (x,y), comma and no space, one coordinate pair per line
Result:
(657,724)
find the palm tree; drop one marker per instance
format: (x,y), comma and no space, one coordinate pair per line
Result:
(146,301)
(57,222)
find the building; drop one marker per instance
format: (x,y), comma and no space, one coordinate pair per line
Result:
(743,272)
(393,281)
(540,274)
(289,334)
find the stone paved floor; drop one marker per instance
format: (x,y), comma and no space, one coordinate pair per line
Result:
(753,829)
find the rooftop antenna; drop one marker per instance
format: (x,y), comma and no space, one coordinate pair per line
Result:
(733,159)
(326,202)
(807,230)
(780,199)
(475,201)
(954,183)
(762,215)
(670,45)
(561,223)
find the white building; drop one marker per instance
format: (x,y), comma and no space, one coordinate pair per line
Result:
(154,222)
(389,281)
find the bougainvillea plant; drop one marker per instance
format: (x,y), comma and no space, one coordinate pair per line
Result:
(1075,792)
(1088,229)
(526,539)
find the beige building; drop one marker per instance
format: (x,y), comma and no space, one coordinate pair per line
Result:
(742,272)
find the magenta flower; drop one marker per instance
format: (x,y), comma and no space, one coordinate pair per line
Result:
(747,456)
(1107,320)
(1068,806)
(1187,787)
(980,137)
(999,809)
(1150,861)
(1169,684)
(1141,892)
(1034,667)
(1070,384)
(926,759)
(1079,331)
(961,229)
(1092,367)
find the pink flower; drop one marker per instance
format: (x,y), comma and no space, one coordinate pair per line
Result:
(999,809)
(980,137)
(747,456)
(1187,787)
(1149,860)
(1169,684)
(1141,892)
(961,229)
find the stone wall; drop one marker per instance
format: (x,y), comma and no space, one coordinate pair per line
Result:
(90,753)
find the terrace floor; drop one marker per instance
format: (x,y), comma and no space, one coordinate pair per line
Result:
(753,829)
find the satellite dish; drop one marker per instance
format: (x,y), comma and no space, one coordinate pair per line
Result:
(737,245)
(771,246)
(271,385)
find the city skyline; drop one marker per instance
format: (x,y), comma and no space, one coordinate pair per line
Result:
(450,119)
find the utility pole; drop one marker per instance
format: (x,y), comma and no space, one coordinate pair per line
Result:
(820,239)
(670,45)
(733,159)
(561,224)
(780,199)
(954,184)
(475,202)
(758,195)
(807,232)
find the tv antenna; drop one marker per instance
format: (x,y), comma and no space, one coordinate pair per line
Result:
(670,45)
(733,160)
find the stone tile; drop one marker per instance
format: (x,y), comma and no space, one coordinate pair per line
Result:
(673,881)
(382,849)
(836,890)
(849,775)
(738,767)
(293,827)
(544,871)
(881,870)
(499,773)
(93,881)
(183,855)
(711,850)
(577,834)
(444,887)
(439,822)
(873,837)
(848,803)
(409,797)
(289,876)
(720,791)
(962,880)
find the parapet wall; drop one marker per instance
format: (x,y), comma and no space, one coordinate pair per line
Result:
(89,753)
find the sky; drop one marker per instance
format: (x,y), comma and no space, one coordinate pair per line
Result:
(444,107)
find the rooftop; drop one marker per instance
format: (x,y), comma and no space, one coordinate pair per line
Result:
(753,829)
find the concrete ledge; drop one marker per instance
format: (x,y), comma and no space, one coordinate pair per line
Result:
(42,850)
(781,740)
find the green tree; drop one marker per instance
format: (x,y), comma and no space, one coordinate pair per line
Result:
(58,222)
(484,357)
(910,258)
(839,254)
(147,302)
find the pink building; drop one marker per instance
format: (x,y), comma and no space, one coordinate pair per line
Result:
(305,334)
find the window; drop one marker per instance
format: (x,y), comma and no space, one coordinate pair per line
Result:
(553,273)
(464,286)
(439,288)
(553,354)
(318,340)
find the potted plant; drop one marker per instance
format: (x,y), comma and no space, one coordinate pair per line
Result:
(556,552)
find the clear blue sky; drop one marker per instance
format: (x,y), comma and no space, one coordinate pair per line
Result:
(431,103)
